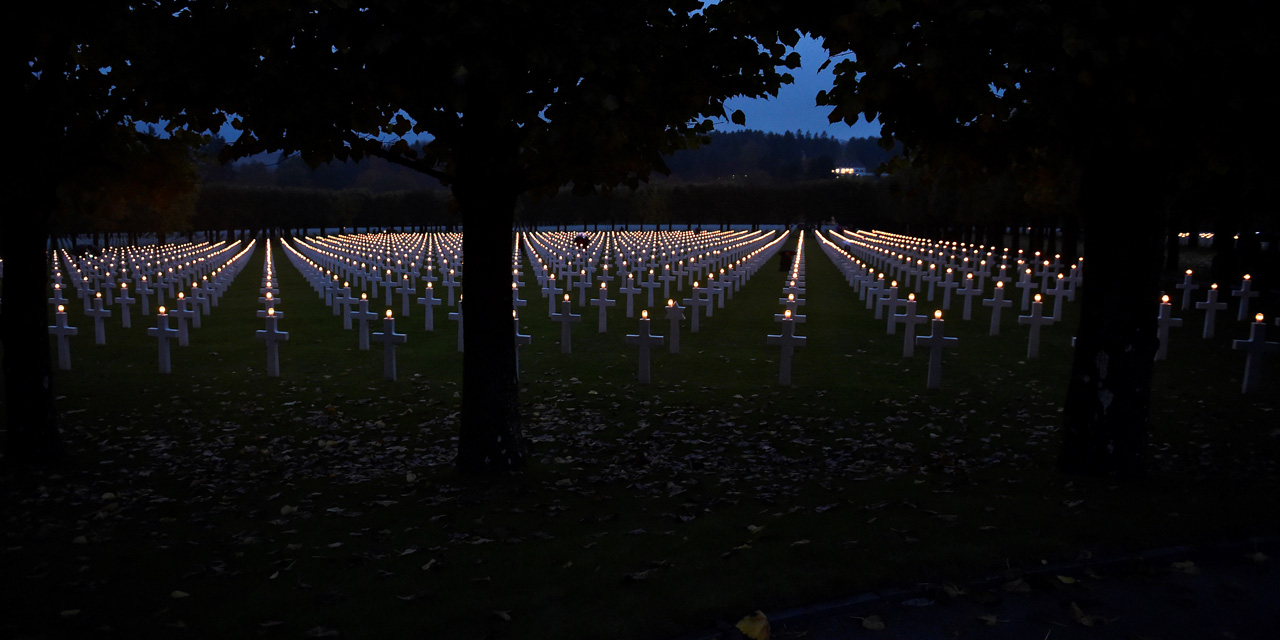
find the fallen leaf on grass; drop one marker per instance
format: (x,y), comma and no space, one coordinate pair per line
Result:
(288,509)
(1066,580)
(637,576)
(872,622)
(505,616)
(917,602)
(1017,586)
(1188,567)
(1086,619)
(990,619)
(952,590)
(755,626)
(1258,556)
(430,563)
(69,613)
(179,594)
(799,543)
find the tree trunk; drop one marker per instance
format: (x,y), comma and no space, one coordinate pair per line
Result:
(30,420)
(1109,393)
(490,439)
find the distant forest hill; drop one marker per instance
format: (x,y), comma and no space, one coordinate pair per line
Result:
(741,156)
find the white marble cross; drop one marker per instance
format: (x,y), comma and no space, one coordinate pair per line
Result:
(675,313)
(61,331)
(163,333)
(552,292)
(629,289)
(144,296)
(948,285)
(1244,293)
(521,339)
(457,317)
(1036,320)
(935,341)
(429,302)
(183,312)
(1163,322)
(272,336)
(697,301)
(1026,285)
(996,302)
(566,318)
(909,319)
(98,314)
(1255,348)
(363,316)
(644,340)
(406,290)
(390,340)
(126,301)
(969,291)
(1211,307)
(788,340)
(1187,287)
(602,303)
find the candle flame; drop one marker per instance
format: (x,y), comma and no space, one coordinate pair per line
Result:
(388,313)
(791,297)
(1257,318)
(181,295)
(98,294)
(161,310)
(364,296)
(911,297)
(1246,276)
(893,283)
(1000,285)
(1188,272)
(602,285)
(1164,299)
(566,297)
(670,302)
(271,311)
(937,314)
(62,309)
(787,314)
(1213,286)
(1037,297)
(644,315)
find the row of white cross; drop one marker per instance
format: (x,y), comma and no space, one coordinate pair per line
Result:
(865,256)
(217,268)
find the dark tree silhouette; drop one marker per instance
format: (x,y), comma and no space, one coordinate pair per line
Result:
(1110,90)
(517,96)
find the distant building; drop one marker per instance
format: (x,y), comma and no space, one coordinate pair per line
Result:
(849,172)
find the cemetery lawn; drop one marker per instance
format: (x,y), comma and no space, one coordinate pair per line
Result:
(216,502)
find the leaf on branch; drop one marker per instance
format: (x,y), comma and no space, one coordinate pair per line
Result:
(739,118)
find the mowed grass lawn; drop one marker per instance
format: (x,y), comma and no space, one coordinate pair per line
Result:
(216,502)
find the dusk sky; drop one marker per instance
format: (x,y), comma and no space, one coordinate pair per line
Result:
(794,107)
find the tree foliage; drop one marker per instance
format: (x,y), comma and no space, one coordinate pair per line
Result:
(516,96)
(1093,89)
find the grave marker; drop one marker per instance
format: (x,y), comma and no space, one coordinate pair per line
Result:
(1211,307)
(162,333)
(1163,322)
(788,340)
(61,331)
(643,339)
(390,340)
(935,341)
(272,336)
(1255,348)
